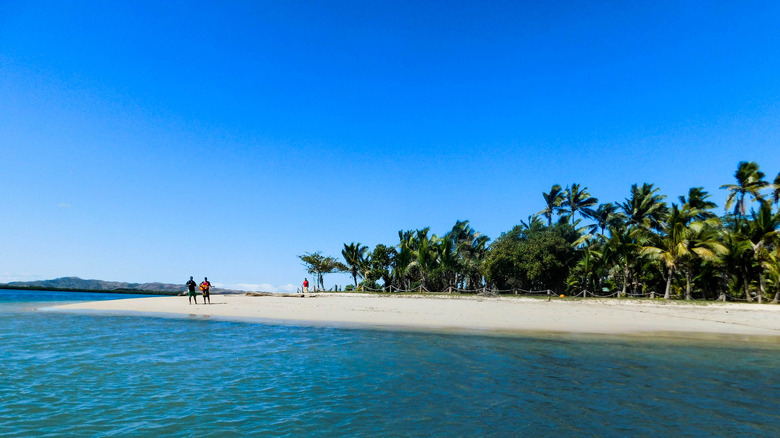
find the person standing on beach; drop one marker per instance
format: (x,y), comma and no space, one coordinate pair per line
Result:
(191,290)
(204,287)
(305,285)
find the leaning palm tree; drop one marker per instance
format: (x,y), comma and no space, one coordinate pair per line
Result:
(553,202)
(750,182)
(578,201)
(354,256)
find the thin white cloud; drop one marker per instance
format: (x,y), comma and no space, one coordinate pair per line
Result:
(7,277)
(63,205)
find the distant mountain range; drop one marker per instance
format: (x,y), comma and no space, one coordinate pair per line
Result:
(75,283)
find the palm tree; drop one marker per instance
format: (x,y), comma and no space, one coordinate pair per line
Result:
(645,208)
(771,264)
(403,259)
(533,221)
(739,259)
(618,251)
(425,256)
(697,199)
(682,240)
(578,201)
(354,255)
(750,182)
(762,233)
(469,248)
(553,202)
(776,189)
(605,215)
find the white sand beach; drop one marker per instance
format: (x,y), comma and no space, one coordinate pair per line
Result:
(466,313)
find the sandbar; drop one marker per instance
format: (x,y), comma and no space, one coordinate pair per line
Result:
(458,313)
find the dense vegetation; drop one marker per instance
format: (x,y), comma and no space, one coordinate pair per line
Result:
(642,246)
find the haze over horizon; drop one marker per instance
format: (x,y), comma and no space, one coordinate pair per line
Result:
(148,142)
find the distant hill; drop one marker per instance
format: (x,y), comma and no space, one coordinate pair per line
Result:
(75,283)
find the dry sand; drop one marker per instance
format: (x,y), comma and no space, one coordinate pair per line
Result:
(467,313)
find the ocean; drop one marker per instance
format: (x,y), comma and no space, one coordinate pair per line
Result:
(77,374)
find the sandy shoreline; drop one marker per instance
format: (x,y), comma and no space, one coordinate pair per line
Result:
(466,314)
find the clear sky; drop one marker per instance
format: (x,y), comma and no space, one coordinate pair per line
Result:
(150,141)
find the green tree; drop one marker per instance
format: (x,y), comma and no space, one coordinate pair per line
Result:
(318,265)
(553,202)
(697,200)
(645,208)
(763,235)
(425,256)
(750,182)
(535,258)
(771,264)
(776,190)
(469,249)
(619,249)
(683,240)
(605,215)
(382,259)
(578,201)
(354,255)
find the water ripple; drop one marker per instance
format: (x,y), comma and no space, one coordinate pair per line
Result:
(82,375)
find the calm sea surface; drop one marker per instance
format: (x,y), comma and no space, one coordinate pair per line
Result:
(69,374)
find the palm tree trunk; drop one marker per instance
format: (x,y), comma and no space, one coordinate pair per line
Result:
(761,288)
(687,285)
(747,285)
(777,295)
(625,279)
(668,293)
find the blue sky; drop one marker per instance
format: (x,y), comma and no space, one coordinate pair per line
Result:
(150,141)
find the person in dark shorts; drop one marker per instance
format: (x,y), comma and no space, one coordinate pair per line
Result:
(191,290)
(204,287)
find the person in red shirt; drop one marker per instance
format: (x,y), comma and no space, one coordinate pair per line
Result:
(305,285)
(204,287)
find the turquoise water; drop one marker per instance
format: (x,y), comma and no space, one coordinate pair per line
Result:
(67,374)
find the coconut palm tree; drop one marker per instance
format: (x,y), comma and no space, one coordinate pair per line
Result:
(578,201)
(776,190)
(553,202)
(618,250)
(470,248)
(771,264)
(403,259)
(739,259)
(750,182)
(605,215)
(763,235)
(645,208)
(354,255)
(425,256)
(697,200)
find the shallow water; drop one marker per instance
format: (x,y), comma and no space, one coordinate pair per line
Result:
(91,375)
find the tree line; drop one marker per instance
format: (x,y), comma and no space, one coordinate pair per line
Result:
(643,246)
